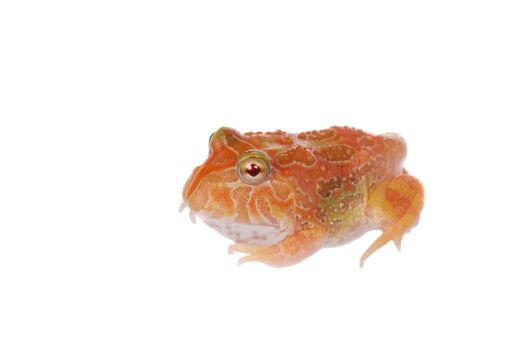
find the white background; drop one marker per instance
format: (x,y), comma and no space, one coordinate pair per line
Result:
(106,107)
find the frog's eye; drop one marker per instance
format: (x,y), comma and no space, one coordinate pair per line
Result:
(211,136)
(253,168)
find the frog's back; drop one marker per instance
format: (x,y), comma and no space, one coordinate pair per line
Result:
(334,166)
(348,150)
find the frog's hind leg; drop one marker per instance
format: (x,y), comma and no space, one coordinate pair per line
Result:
(394,207)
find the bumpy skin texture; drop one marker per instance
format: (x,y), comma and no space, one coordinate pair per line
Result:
(313,189)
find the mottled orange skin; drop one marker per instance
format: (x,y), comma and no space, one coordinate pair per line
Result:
(323,188)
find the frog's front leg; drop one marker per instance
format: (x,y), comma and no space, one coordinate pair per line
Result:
(394,207)
(289,251)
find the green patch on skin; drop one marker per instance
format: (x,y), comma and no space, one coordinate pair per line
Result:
(347,210)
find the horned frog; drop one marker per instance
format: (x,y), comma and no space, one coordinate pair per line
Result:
(281,197)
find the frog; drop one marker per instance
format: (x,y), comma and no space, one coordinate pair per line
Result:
(280,197)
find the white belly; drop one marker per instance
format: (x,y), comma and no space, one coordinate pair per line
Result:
(253,234)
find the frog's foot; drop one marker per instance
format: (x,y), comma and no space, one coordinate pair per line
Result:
(291,250)
(394,234)
(395,206)
(244,248)
(254,253)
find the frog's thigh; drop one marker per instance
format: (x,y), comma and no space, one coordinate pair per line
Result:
(394,207)
(291,250)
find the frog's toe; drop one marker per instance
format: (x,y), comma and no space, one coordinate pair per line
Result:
(248,258)
(397,242)
(243,248)
(388,235)
(254,253)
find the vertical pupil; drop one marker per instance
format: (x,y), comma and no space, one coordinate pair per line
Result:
(253,169)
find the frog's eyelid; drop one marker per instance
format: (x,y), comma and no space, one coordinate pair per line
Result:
(211,136)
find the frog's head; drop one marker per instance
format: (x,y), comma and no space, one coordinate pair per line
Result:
(238,192)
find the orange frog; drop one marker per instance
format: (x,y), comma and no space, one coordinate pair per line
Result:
(281,197)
